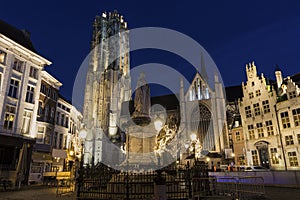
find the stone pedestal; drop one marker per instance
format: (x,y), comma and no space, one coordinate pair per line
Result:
(141,143)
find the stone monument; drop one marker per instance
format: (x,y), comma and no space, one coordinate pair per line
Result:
(141,138)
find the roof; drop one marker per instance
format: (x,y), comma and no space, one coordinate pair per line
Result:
(21,37)
(169,102)
(234,93)
(296,79)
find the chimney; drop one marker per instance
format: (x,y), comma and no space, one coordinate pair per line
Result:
(26,33)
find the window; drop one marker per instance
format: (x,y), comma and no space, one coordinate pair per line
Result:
(33,72)
(237,136)
(60,142)
(55,140)
(266,106)
(57,118)
(296,116)
(46,112)
(62,119)
(257,92)
(40,109)
(253,83)
(2,57)
(289,140)
(274,156)
(29,94)
(40,135)
(52,114)
(285,120)
(254,157)
(256,109)
(18,65)
(293,158)
(13,88)
(248,111)
(67,122)
(260,130)
(251,95)
(298,137)
(251,132)
(43,88)
(47,136)
(0,81)
(269,126)
(26,122)
(9,117)
(292,94)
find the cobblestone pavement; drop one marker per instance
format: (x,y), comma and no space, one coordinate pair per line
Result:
(49,193)
(282,193)
(35,193)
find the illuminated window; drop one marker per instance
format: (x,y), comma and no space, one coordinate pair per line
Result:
(248,111)
(274,156)
(285,120)
(296,116)
(18,65)
(2,57)
(266,106)
(40,135)
(257,92)
(33,72)
(254,157)
(237,136)
(289,140)
(26,122)
(9,117)
(269,126)
(13,88)
(251,132)
(251,95)
(260,130)
(256,109)
(293,158)
(29,94)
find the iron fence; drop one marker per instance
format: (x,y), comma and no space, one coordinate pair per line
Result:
(101,182)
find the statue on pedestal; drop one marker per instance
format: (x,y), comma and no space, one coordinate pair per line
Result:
(141,114)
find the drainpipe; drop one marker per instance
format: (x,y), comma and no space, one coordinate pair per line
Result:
(281,143)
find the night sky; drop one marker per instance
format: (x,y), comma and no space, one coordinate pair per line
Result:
(232,32)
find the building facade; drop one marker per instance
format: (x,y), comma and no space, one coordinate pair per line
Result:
(20,80)
(267,134)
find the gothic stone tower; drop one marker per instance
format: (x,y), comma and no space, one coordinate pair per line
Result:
(107,84)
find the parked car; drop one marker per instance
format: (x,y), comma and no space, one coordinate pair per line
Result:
(255,169)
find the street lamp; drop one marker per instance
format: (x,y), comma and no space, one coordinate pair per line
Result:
(82,136)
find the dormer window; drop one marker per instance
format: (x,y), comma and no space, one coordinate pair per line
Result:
(292,94)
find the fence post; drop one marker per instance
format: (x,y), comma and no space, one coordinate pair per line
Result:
(160,187)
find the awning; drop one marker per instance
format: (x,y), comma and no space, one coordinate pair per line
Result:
(41,157)
(59,153)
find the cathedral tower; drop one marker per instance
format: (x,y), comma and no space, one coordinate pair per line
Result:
(107,83)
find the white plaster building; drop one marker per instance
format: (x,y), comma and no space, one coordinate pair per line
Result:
(20,80)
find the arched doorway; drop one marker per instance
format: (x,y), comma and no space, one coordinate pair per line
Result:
(262,148)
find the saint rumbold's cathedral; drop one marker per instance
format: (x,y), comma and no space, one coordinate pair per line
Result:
(192,119)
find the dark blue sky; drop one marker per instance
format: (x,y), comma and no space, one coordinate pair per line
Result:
(233,32)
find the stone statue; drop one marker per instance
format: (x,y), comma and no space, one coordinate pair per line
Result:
(142,99)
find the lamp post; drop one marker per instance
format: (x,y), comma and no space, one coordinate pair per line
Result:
(82,136)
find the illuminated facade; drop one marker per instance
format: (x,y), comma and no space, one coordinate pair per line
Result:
(269,113)
(20,80)
(107,83)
